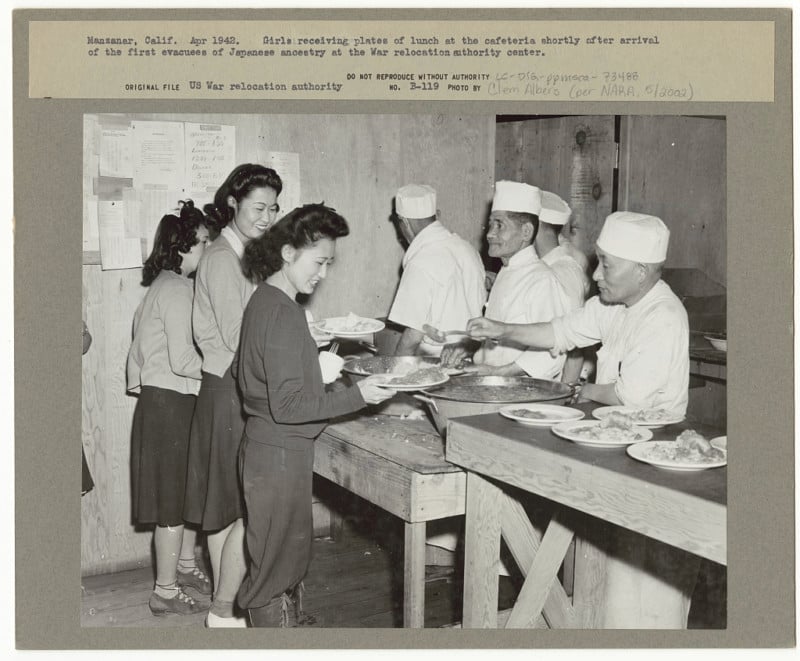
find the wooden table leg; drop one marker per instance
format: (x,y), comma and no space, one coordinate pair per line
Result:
(481,553)
(414,576)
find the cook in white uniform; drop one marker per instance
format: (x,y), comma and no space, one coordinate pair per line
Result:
(443,277)
(526,290)
(569,264)
(644,362)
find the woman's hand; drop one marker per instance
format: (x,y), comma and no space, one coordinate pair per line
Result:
(372,393)
(454,356)
(482,328)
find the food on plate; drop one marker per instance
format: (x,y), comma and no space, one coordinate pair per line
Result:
(614,428)
(650,415)
(352,323)
(689,447)
(528,414)
(420,376)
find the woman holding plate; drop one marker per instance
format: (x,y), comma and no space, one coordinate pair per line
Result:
(287,407)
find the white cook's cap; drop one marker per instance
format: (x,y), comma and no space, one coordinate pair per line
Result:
(554,210)
(634,236)
(515,196)
(415,201)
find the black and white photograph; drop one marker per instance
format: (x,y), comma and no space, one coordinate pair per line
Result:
(404,371)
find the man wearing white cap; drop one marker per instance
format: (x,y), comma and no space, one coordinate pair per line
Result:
(643,363)
(525,291)
(443,277)
(568,263)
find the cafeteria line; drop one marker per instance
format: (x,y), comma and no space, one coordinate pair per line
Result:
(539,349)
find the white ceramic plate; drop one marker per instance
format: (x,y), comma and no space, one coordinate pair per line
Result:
(383,380)
(650,453)
(575,432)
(343,326)
(717,342)
(549,414)
(720,442)
(656,418)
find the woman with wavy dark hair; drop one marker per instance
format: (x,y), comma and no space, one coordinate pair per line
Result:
(244,207)
(164,368)
(287,407)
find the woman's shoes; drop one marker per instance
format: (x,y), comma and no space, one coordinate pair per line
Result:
(195,579)
(218,622)
(180,604)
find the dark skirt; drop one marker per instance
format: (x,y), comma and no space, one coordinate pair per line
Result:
(159,450)
(213,495)
(279,532)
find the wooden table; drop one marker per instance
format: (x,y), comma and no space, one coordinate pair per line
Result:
(399,466)
(685,510)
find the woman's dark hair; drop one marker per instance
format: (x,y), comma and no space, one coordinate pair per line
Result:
(242,180)
(174,235)
(299,228)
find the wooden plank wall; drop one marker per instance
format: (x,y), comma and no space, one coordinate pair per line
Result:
(354,163)
(674,168)
(570,156)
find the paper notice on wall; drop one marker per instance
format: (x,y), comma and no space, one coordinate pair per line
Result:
(117,251)
(115,153)
(91,237)
(158,155)
(143,210)
(210,155)
(287,165)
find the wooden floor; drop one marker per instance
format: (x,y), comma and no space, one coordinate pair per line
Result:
(354,581)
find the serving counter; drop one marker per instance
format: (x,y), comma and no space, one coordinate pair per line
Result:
(589,488)
(398,465)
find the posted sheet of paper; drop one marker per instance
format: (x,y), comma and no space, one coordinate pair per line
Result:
(158,155)
(91,236)
(115,153)
(117,251)
(145,208)
(287,165)
(210,155)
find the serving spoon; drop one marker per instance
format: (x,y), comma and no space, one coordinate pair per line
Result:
(441,336)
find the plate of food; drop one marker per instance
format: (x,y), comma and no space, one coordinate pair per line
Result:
(540,415)
(350,326)
(643,417)
(615,431)
(690,451)
(419,379)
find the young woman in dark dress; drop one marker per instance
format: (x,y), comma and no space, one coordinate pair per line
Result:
(286,407)
(164,368)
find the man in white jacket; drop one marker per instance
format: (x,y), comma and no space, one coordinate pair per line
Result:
(443,277)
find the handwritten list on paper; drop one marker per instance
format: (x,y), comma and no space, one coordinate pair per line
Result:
(210,155)
(158,155)
(117,251)
(287,165)
(115,153)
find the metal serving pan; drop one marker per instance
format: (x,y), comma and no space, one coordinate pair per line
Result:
(500,389)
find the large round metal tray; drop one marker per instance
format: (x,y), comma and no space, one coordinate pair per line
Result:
(388,364)
(500,389)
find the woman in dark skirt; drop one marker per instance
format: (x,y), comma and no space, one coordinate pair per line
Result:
(164,368)
(287,407)
(244,207)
